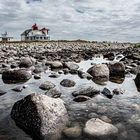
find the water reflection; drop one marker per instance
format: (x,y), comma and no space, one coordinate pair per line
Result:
(123,109)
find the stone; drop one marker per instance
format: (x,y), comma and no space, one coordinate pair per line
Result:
(4,65)
(54,93)
(105,119)
(25,62)
(16,76)
(18,88)
(99,129)
(118,91)
(137,80)
(72,71)
(40,116)
(38,70)
(72,132)
(99,72)
(2,92)
(89,91)
(109,56)
(67,83)
(54,64)
(92,115)
(134,70)
(47,85)
(37,76)
(107,93)
(81,98)
(116,69)
(71,65)
(66,71)
(14,65)
(54,75)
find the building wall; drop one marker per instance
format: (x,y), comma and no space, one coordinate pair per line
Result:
(33,38)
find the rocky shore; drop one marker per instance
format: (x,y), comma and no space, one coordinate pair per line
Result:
(70,90)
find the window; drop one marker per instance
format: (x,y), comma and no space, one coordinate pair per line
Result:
(44,37)
(40,37)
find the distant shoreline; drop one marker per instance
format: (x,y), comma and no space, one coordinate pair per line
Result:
(80,41)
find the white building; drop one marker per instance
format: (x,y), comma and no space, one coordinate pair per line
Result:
(35,34)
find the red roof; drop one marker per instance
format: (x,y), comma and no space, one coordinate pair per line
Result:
(35,27)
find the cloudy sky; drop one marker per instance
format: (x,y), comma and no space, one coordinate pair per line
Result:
(110,20)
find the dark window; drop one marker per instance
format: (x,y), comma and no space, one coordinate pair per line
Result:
(40,37)
(44,37)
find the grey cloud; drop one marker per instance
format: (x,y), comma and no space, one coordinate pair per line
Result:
(116,20)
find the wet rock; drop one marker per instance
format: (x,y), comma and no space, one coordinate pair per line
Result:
(16,76)
(92,115)
(25,62)
(40,116)
(107,93)
(38,70)
(116,69)
(37,76)
(99,72)
(86,91)
(136,56)
(47,85)
(105,119)
(4,65)
(60,72)
(117,79)
(66,71)
(54,75)
(2,92)
(14,65)
(72,132)
(18,88)
(73,71)
(54,64)
(81,98)
(134,70)
(97,128)
(71,65)
(25,86)
(118,91)
(54,93)
(109,56)
(67,83)
(84,75)
(137,80)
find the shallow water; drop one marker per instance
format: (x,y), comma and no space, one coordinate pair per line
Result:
(123,110)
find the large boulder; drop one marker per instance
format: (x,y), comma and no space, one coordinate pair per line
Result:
(116,69)
(137,80)
(16,76)
(97,128)
(40,116)
(25,62)
(99,72)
